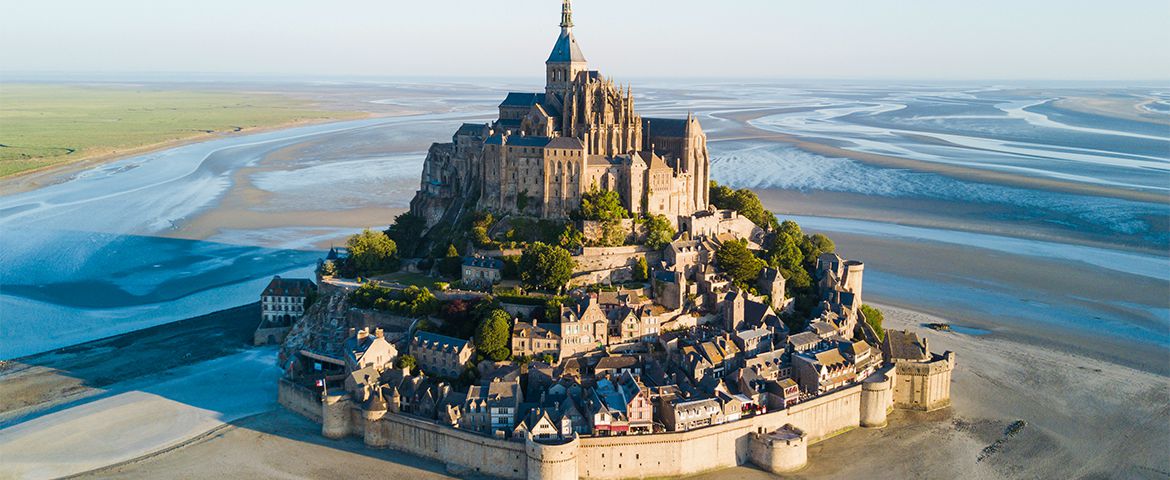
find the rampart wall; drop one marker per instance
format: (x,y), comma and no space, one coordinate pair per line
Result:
(667,454)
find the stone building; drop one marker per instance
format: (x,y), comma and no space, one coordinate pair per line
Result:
(281,303)
(923,380)
(547,149)
(481,272)
(440,354)
(366,349)
(533,340)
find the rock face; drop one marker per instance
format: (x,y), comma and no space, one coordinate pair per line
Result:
(322,329)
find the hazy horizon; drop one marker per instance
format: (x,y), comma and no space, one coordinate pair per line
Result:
(999,40)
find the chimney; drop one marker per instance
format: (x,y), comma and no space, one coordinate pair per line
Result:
(534,322)
(379,333)
(352,332)
(363,334)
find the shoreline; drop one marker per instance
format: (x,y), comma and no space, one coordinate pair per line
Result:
(34,179)
(988,396)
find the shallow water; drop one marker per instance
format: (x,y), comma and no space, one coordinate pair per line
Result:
(88,257)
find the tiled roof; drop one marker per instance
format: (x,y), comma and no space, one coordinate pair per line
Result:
(566,49)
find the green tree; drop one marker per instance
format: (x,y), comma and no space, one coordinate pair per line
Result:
(328,268)
(874,318)
(659,231)
(372,252)
(599,204)
(407,232)
(612,233)
(743,201)
(739,263)
(571,238)
(641,270)
(814,246)
(451,263)
(549,358)
(493,335)
(406,361)
(545,267)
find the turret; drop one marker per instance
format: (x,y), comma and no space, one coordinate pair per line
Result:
(566,59)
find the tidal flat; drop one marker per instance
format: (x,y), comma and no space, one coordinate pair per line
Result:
(981,221)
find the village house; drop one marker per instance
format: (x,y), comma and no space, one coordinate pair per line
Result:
(823,371)
(481,272)
(363,349)
(492,407)
(681,415)
(281,303)
(533,340)
(440,354)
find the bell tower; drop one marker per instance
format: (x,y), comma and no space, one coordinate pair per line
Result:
(566,59)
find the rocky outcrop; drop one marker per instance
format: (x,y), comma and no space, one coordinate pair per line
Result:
(322,329)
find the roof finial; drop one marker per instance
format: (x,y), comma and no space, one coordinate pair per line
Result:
(567,14)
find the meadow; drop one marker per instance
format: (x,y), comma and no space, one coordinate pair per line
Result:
(48,125)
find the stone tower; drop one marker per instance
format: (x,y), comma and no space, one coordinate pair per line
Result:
(566,59)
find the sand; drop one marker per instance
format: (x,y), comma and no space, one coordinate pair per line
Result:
(1085,418)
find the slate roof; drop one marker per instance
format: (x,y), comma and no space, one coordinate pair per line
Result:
(439,342)
(905,345)
(664,127)
(566,49)
(470,130)
(294,287)
(565,142)
(483,262)
(522,99)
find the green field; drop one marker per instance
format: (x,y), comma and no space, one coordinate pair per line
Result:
(43,125)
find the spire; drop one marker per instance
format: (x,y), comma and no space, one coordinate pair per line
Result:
(567,14)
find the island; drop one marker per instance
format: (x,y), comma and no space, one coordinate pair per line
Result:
(571,296)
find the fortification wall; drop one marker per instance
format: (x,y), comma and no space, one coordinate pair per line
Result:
(461,451)
(720,446)
(669,454)
(299,400)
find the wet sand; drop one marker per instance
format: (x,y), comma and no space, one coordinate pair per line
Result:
(744,131)
(1085,418)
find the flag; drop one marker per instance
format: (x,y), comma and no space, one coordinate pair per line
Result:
(320,382)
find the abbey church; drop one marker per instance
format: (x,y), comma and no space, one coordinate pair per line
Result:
(547,149)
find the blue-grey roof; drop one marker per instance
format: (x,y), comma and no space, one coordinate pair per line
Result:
(483,262)
(566,49)
(565,142)
(436,339)
(523,100)
(664,127)
(470,130)
(525,141)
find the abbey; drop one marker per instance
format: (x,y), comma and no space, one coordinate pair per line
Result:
(547,149)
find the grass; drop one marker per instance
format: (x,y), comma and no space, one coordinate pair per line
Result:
(408,278)
(45,125)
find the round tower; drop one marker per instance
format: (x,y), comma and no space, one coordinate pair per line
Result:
(876,398)
(335,417)
(373,411)
(782,451)
(552,462)
(854,270)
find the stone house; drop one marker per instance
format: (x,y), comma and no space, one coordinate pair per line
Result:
(281,303)
(363,349)
(681,415)
(622,408)
(481,272)
(492,407)
(534,340)
(440,354)
(584,327)
(541,424)
(820,372)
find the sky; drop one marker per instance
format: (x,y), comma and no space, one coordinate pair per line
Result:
(779,39)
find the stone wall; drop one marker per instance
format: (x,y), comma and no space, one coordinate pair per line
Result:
(776,441)
(300,400)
